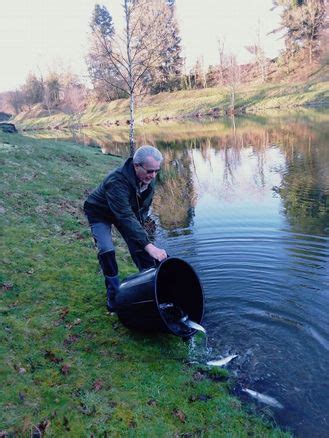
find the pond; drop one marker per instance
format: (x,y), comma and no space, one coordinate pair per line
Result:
(246,203)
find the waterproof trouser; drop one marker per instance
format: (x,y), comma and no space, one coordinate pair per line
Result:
(102,234)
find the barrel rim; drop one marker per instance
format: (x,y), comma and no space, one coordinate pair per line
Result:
(193,331)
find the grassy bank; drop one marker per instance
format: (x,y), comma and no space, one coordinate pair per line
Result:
(187,104)
(175,130)
(67,367)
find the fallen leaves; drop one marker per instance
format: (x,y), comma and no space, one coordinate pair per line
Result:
(201,397)
(62,316)
(65,369)
(198,376)
(40,429)
(179,414)
(97,385)
(19,369)
(71,339)
(152,402)
(7,285)
(63,312)
(52,357)
(62,319)
(77,321)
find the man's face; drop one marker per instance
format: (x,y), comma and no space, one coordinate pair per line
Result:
(147,171)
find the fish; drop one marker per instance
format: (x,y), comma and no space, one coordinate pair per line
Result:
(221,362)
(194,325)
(266,399)
(175,316)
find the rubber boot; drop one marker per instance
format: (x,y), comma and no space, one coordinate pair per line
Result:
(112,287)
(110,271)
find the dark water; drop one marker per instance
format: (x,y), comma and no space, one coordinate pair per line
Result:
(256,229)
(246,202)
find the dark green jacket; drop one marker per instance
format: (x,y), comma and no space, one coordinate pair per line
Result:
(117,200)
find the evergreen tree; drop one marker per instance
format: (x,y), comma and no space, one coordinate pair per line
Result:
(103,73)
(302,22)
(168,75)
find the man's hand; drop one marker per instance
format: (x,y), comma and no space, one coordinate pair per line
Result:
(157,253)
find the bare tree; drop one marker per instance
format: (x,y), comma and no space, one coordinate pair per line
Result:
(233,74)
(127,59)
(313,19)
(33,90)
(17,100)
(221,52)
(260,59)
(200,74)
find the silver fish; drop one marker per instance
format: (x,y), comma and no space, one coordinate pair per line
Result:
(193,325)
(222,362)
(266,399)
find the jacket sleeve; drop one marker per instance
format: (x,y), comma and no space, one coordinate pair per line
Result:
(117,196)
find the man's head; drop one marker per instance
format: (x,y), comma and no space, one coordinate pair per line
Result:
(147,162)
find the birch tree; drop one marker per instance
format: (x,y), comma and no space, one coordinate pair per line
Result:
(222,59)
(233,72)
(126,60)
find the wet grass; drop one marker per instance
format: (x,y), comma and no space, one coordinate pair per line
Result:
(67,367)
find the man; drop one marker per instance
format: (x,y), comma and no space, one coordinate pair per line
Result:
(123,199)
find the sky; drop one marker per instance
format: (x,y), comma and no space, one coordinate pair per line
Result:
(38,35)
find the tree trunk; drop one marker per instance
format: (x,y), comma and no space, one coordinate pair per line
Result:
(310,50)
(132,125)
(130,78)
(232,99)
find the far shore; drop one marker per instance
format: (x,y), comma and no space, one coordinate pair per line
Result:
(204,104)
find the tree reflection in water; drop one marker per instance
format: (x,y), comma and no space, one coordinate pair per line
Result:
(175,198)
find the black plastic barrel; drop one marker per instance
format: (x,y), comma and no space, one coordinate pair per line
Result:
(142,296)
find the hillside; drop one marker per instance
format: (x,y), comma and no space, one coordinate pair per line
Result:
(209,102)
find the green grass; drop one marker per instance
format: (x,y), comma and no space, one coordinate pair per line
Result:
(67,367)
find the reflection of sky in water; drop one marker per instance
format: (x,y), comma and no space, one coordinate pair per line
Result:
(245,191)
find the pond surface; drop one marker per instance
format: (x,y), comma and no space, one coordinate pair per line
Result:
(257,232)
(246,203)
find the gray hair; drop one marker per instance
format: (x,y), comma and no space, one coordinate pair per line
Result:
(145,151)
